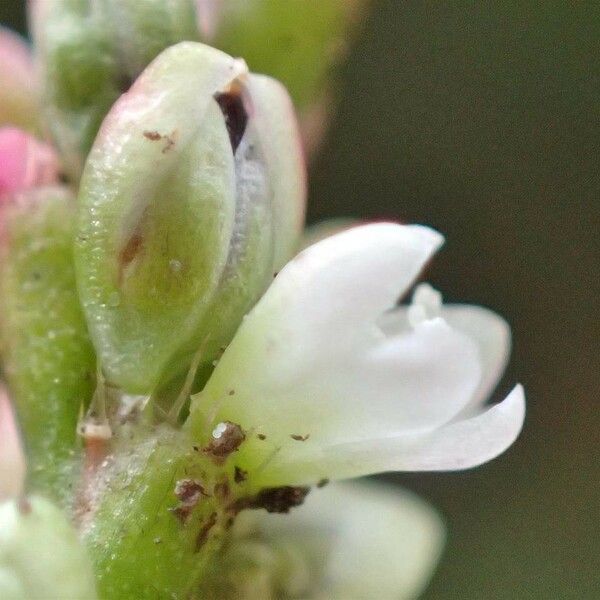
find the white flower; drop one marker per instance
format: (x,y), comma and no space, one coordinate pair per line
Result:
(12,461)
(333,548)
(331,380)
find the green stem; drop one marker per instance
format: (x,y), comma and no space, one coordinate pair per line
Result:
(155,516)
(48,359)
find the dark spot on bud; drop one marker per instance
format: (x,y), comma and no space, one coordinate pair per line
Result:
(221,490)
(188,492)
(300,438)
(240,475)
(153,136)
(274,500)
(322,482)
(261,436)
(205,530)
(232,106)
(231,392)
(229,441)
(129,251)
(23,506)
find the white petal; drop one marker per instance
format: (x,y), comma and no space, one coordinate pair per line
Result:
(487,329)
(492,335)
(360,540)
(311,359)
(12,461)
(459,445)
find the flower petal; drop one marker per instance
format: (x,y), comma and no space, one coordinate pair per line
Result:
(459,445)
(492,335)
(311,359)
(487,329)
(12,461)
(349,554)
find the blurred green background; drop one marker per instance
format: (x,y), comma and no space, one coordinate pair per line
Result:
(483,120)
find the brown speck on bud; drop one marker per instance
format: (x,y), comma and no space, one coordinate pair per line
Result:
(153,136)
(240,475)
(205,530)
(226,438)
(275,500)
(189,492)
(300,438)
(222,490)
(322,482)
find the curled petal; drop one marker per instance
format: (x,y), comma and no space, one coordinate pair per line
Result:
(458,445)
(24,162)
(350,555)
(12,461)
(489,331)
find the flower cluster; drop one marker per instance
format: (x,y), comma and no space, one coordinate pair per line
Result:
(174,359)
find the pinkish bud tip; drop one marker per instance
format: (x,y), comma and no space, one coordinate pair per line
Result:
(12,460)
(25,162)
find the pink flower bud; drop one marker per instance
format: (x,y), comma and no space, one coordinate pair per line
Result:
(25,162)
(12,461)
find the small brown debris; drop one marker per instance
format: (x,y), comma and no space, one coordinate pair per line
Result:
(322,482)
(23,506)
(153,136)
(227,438)
(261,436)
(170,142)
(274,500)
(240,475)
(300,438)
(189,492)
(222,490)
(231,392)
(205,530)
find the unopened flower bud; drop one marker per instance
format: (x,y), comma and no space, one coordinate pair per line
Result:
(192,198)
(90,52)
(12,461)
(40,555)
(24,162)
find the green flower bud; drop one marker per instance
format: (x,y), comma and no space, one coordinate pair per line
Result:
(48,360)
(192,198)
(40,555)
(90,52)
